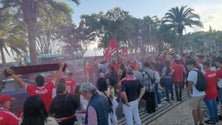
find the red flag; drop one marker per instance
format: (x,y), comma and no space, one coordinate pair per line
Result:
(112,47)
(35,68)
(124,51)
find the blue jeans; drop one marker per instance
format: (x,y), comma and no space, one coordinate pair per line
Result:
(212,109)
(220,95)
(158,94)
(178,86)
(168,84)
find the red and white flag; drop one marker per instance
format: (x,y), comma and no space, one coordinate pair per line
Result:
(112,47)
(124,51)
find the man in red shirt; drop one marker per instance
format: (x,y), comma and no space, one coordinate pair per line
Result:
(218,63)
(115,65)
(6,116)
(41,89)
(70,83)
(178,78)
(211,93)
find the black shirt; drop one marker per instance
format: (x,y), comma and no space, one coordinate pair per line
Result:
(64,105)
(131,86)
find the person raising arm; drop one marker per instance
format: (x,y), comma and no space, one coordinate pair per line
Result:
(22,84)
(40,89)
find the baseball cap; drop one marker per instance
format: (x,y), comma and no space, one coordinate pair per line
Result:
(5,97)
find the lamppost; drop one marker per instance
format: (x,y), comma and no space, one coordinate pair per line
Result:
(140,43)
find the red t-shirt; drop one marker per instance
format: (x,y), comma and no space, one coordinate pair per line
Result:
(70,85)
(116,67)
(44,92)
(7,117)
(211,91)
(178,74)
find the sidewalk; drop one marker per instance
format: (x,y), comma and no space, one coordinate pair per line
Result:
(180,115)
(166,114)
(170,113)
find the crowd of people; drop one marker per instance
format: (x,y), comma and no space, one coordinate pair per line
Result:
(127,81)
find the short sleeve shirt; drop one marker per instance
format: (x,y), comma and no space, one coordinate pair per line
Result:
(44,92)
(63,105)
(132,87)
(211,91)
(192,77)
(178,75)
(8,118)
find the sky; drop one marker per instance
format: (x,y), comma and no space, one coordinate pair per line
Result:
(210,11)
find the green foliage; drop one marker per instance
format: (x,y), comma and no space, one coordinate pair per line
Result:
(49,27)
(31,11)
(203,40)
(177,18)
(12,34)
(167,35)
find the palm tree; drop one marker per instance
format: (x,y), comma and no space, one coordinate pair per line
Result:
(11,46)
(12,35)
(30,10)
(177,19)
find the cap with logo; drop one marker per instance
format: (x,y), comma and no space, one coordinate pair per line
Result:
(5,98)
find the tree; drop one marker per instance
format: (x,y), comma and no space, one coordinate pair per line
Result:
(177,19)
(114,27)
(30,11)
(12,35)
(117,23)
(203,41)
(49,30)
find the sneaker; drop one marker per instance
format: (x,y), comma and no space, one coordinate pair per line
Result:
(179,99)
(167,100)
(219,117)
(210,122)
(159,105)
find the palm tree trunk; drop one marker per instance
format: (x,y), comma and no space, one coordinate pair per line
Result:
(180,44)
(30,13)
(32,45)
(3,57)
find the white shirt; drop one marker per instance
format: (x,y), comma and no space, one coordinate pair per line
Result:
(83,102)
(192,77)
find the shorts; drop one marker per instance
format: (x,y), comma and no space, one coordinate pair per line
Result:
(196,102)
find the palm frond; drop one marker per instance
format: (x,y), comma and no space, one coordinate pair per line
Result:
(60,6)
(76,1)
(178,18)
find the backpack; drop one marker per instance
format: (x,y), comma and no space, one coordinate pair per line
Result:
(148,81)
(201,84)
(110,108)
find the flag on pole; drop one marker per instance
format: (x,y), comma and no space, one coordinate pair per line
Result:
(112,47)
(124,51)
